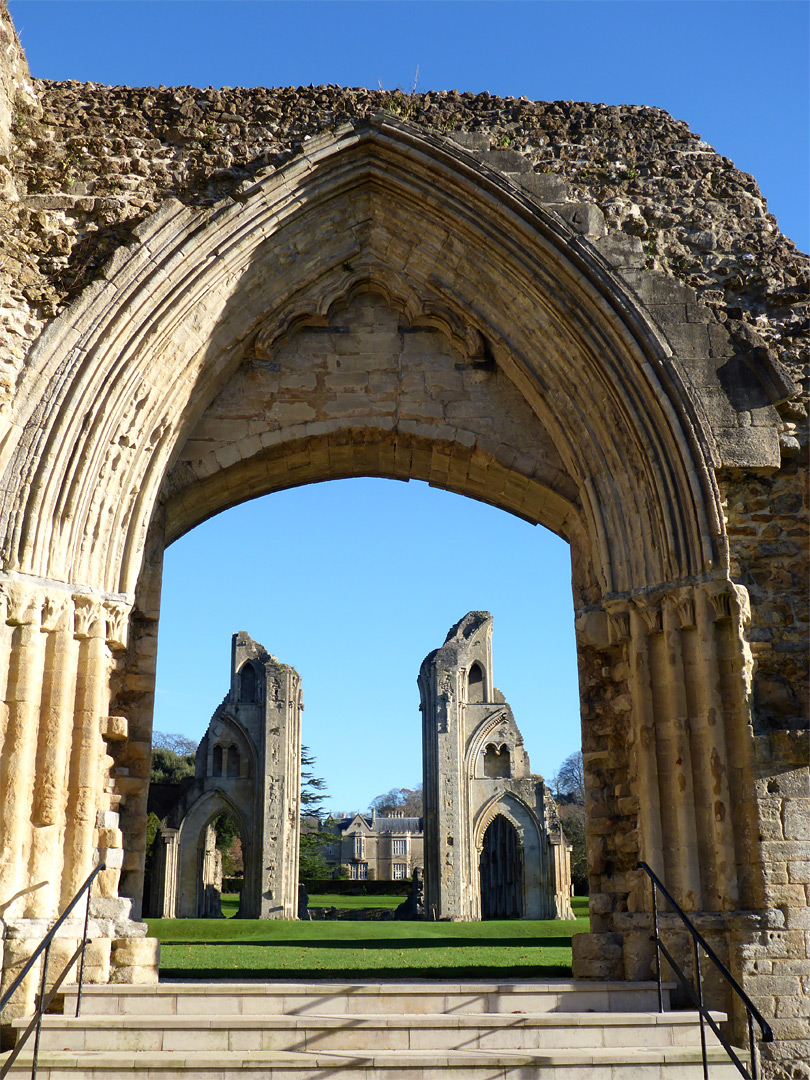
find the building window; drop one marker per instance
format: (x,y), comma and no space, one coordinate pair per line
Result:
(362,870)
(475,685)
(329,850)
(400,871)
(248,683)
(399,847)
(497,762)
(359,847)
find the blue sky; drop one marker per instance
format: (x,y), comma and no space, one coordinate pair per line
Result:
(354,582)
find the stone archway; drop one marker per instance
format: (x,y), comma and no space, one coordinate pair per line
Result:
(388,304)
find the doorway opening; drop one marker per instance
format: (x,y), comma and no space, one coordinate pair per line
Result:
(501,871)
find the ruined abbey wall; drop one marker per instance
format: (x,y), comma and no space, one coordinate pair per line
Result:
(678,234)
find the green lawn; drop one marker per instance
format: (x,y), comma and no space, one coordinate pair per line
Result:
(321,900)
(275,949)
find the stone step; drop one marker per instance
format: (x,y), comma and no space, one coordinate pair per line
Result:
(674,1063)
(318,1033)
(301,998)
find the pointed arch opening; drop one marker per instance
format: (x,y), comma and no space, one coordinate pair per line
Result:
(500,871)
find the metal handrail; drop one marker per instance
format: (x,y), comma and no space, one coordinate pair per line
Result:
(696,997)
(44,1001)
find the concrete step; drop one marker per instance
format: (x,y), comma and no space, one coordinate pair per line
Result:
(675,1063)
(554,1030)
(301,998)
(540,1031)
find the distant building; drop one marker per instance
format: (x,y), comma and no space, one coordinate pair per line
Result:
(368,846)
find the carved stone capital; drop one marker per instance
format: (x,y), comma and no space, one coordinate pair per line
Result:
(86,611)
(681,603)
(23,603)
(117,617)
(56,611)
(728,601)
(618,613)
(651,611)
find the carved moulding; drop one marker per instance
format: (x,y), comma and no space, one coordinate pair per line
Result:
(726,599)
(497,722)
(500,804)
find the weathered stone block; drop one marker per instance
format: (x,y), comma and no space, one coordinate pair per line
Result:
(135,952)
(597,956)
(796,818)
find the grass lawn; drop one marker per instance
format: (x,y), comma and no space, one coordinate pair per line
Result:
(275,949)
(230,902)
(319,900)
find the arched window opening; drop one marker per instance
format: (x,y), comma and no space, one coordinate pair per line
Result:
(216,764)
(233,761)
(248,684)
(475,685)
(501,871)
(497,762)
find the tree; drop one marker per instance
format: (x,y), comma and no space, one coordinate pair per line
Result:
(569,791)
(313,788)
(406,800)
(569,783)
(173,758)
(169,767)
(311,863)
(178,744)
(572,819)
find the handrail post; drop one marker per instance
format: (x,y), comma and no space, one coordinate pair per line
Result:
(42,983)
(657,948)
(84,951)
(699,981)
(752,1044)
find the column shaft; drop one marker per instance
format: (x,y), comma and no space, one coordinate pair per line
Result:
(18,760)
(50,796)
(86,757)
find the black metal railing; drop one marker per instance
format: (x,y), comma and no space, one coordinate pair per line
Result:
(44,1000)
(695,994)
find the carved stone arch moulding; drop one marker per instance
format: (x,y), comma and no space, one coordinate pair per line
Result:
(482,736)
(199,814)
(144,350)
(231,728)
(516,812)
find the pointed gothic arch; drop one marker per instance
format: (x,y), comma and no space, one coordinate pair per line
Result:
(104,463)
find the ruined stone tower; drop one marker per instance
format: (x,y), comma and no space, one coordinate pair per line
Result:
(248,764)
(493,843)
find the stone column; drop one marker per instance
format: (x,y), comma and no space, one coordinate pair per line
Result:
(19,756)
(58,693)
(85,775)
(56,794)
(165,871)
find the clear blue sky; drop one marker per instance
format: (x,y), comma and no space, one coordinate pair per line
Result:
(354,582)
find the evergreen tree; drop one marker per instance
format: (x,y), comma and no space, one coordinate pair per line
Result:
(313,791)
